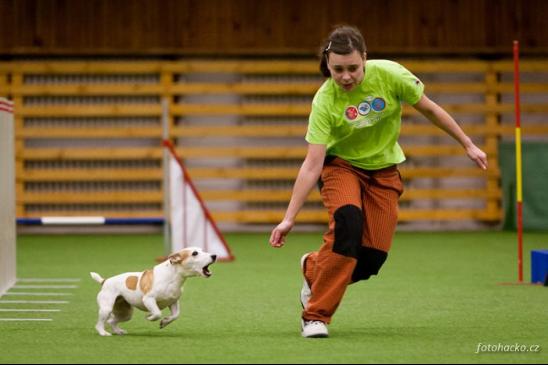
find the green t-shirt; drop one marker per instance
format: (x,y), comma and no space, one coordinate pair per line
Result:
(362,126)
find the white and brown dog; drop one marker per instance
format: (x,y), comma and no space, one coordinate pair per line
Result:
(150,290)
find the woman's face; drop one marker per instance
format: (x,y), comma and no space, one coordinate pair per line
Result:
(347,70)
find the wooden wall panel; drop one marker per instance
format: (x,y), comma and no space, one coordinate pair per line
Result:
(176,27)
(87,136)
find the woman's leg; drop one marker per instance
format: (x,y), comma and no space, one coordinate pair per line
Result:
(380,194)
(329,270)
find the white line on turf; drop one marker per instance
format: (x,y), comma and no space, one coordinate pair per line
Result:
(37,294)
(24,319)
(33,301)
(44,287)
(28,310)
(47,280)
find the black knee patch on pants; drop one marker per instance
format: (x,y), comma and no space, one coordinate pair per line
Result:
(369,263)
(348,230)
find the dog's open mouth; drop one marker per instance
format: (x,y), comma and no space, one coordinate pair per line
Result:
(206,271)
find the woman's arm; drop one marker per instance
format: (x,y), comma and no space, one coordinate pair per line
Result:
(307,178)
(438,116)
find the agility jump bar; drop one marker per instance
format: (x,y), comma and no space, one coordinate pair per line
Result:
(87,221)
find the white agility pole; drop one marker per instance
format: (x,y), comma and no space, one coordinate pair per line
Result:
(165,182)
(7,197)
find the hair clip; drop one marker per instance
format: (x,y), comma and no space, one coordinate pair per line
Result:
(327,48)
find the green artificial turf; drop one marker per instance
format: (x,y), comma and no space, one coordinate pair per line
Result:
(438,297)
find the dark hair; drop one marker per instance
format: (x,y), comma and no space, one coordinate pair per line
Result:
(344,39)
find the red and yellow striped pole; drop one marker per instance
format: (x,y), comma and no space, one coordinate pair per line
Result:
(519,196)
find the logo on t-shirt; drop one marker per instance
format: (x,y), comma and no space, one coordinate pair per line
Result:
(351,113)
(361,116)
(378,104)
(364,108)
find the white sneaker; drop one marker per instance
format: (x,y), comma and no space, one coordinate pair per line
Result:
(314,329)
(305,291)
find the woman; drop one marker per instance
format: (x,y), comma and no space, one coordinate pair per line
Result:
(353,155)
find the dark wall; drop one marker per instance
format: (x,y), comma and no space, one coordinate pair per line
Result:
(175,27)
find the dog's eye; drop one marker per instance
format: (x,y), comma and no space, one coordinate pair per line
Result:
(195,253)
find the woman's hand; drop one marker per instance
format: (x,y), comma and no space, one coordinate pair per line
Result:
(277,237)
(477,155)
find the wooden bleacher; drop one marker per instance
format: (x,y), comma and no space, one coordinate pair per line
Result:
(88,135)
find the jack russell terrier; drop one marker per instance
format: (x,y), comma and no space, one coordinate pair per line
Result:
(150,290)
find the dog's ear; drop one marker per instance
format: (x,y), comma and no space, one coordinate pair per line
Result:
(178,257)
(175,258)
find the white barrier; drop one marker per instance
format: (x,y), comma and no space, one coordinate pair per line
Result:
(190,222)
(7,197)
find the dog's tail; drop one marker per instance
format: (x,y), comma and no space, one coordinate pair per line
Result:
(97,277)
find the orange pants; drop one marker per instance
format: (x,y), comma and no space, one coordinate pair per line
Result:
(363,214)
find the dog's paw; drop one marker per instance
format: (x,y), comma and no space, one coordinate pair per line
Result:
(119,331)
(101,330)
(164,322)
